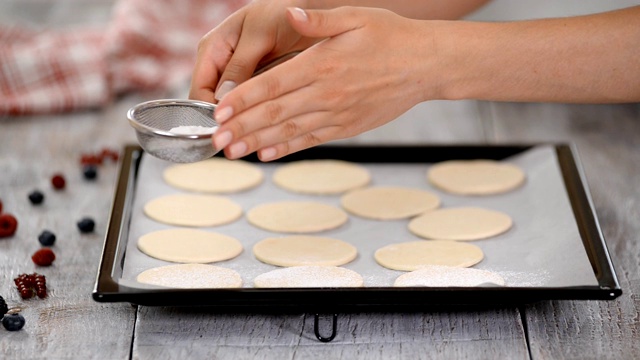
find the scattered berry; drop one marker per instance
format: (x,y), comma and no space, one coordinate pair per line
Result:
(13,322)
(47,238)
(108,153)
(8,225)
(30,284)
(86,225)
(90,159)
(43,257)
(58,181)
(3,306)
(36,197)
(90,172)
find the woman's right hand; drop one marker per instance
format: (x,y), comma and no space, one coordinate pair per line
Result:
(229,54)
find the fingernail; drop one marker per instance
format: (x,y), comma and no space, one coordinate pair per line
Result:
(223,114)
(224,88)
(267,154)
(238,149)
(298,14)
(222,140)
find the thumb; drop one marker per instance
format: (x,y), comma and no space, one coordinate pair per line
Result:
(323,23)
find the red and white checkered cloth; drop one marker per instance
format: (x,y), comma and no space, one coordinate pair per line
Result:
(147,45)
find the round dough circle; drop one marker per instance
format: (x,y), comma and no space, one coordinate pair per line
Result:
(193,210)
(215,175)
(299,250)
(389,202)
(321,177)
(446,276)
(475,177)
(191,276)
(296,216)
(413,255)
(189,246)
(309,276)
(462,223)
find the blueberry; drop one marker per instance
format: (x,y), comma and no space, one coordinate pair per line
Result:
(90,172)
(13,322)
(47,238)
(3,306)
(36,197)
(86,225)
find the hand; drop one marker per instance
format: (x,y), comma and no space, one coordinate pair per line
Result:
(361,76)
(229,54)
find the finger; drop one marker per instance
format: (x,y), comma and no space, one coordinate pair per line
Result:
(302,142)
(265,115)
(323,23)
(296,127)
(243,62)
(204,78)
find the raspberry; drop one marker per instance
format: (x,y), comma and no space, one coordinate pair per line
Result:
(86,225)
(36,197)
(25,284)
(43,257)
(90,172)
(108,153)
(58,181)
(13,322)
(3,306)
(8,225)
(47,238)
(28,284)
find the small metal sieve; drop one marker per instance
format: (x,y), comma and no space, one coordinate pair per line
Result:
(153,120)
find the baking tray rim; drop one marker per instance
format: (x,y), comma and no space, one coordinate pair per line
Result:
(107,288)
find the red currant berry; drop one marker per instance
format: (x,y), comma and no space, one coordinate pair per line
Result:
(8,225)
(43,257)
(58,181)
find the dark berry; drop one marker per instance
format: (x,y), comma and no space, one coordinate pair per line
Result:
(3,306)
(109,153)
(8,225)
(58,181)
(47,238)
(86,225)
(36,197)
(13,322)
(90,159)
(43,257)
(90,172)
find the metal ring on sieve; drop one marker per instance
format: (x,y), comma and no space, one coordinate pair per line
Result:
(143,116)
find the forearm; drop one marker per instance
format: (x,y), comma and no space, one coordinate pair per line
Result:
(593,58)
(415,9)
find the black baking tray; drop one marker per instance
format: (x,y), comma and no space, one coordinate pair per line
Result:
(107,288)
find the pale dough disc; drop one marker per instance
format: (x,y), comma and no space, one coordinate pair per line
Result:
(475,177)
(461,223)
(413,255)
(297,216)
(389,202)
(191,276)
(309,276)
(215,175)
(321,177)
(447,276)
(299,250)
(193,210)
(189,246)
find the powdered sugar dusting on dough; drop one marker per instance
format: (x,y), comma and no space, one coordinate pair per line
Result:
(448,276)
(191,276)
(309,276)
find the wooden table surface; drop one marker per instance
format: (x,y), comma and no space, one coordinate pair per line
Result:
(69,324)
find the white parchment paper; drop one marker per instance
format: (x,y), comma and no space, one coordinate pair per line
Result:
(542,249)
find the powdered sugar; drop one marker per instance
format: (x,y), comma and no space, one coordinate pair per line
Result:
(192,130)
(309,276)
(447,276)
(191,276)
